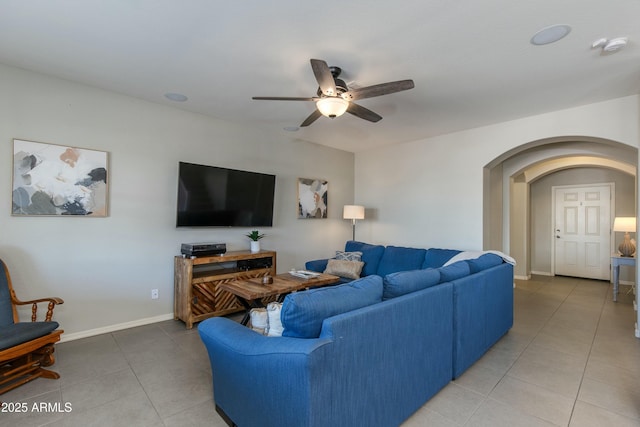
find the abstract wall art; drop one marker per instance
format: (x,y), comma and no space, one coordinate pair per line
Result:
(57,180)
(312,198)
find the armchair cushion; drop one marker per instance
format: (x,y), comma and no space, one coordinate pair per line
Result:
(22,332)
(6,309)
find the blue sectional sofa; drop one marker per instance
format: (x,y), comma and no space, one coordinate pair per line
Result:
(369,351)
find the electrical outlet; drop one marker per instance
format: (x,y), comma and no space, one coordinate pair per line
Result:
(154,294)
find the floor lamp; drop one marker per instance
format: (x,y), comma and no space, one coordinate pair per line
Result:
(353,212)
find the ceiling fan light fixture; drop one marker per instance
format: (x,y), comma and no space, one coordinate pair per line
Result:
(332,106)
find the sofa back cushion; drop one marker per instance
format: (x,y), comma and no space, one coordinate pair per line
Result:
(396,258)
(303,312)
(404,282)
(435,257)
(483,262)
(454,271)
(371,255)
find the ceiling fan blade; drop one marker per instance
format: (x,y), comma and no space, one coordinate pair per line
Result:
(312,118)
(324,77)
(282,98)
(378,90)
(363,113)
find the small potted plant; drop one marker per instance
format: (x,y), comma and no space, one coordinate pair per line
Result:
(255,237)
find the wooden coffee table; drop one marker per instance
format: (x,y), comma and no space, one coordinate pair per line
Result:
(252,292)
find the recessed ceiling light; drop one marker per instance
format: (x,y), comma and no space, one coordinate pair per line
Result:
(291,128)
(550,34)
(177,97)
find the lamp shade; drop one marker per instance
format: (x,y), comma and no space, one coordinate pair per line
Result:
(625,223)
(333,106)
(353,212)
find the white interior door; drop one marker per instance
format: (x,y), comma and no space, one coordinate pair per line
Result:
(583,231)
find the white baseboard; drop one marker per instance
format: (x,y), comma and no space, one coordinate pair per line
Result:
(117,327)
(542,273)
(527,277)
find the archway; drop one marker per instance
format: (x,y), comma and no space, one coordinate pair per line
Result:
(507,181)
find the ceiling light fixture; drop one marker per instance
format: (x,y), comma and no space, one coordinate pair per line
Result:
(332,106)
(550,34)
(176,97)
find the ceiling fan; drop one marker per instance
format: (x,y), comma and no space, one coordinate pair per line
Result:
(334,98)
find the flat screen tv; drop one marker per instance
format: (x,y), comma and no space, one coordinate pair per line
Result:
(210,196)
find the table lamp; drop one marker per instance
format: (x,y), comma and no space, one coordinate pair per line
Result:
(626,224)
(353,212)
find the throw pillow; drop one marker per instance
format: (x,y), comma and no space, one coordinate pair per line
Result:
(259,320)
(342,268)
(275,325)
(349,256)
(303,312)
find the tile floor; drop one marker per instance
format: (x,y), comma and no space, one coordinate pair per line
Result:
(571,359)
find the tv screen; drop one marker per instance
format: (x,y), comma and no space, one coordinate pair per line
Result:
(210,196)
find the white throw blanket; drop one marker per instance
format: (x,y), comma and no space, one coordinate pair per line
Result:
(476,254)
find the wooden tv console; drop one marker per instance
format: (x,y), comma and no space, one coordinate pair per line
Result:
(197,293)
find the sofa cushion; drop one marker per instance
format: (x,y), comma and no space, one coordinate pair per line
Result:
(303,312)
(404,282)
(483,262)
(396,258)
(454,271)
(435,257)
(18,333)
(371,255)
(342,268)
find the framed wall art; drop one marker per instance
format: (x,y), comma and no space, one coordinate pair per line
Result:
(57,180)
(312,198)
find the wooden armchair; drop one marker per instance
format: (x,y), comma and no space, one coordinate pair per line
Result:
(25,347)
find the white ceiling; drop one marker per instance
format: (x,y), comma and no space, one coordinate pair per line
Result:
(471,60)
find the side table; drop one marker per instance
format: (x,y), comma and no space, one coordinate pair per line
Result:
(616,262)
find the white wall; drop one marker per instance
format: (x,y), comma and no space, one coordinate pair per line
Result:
(429,193)
(104,268)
